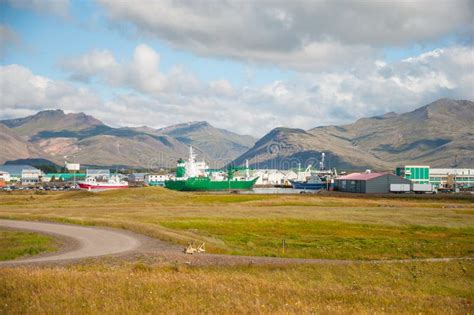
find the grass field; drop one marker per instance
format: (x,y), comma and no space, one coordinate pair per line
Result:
(321,226)
(14,244)
(343,227)
(439,288)
(333,240)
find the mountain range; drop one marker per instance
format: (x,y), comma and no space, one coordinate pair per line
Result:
(56,136)
(440,134)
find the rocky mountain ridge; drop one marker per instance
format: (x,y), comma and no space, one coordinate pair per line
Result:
(440,134)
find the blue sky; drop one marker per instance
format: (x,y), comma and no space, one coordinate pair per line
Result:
(49,38)
(283,63)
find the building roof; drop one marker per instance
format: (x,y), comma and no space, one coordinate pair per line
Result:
(16,169)
(451,171)
(361,176)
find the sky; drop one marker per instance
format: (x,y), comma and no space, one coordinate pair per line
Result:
(246,66)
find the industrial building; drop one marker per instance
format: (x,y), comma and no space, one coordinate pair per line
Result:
(438,177)
(419,174)
(274,177)
(136,177)
(452,177)
(4,176)
(65,177)
(368,182)
(155,179)
(26,174)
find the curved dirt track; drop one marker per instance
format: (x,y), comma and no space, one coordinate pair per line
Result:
(86,241)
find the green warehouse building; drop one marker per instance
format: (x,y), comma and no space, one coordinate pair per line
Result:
(438,177)
(418,174)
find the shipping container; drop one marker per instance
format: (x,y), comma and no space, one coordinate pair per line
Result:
(399,188)
(422,188)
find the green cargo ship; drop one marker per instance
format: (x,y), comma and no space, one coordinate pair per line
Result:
(192,176)
(206,184)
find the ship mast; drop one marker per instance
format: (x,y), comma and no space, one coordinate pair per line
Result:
(247,170)
(191,164)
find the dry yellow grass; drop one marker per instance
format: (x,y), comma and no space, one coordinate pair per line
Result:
(136,288)
(438,288)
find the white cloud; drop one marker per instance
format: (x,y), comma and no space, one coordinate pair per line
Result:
(400,86)
(142,73)
(22,91)
(89,65)
(305,101)
(304,35)
(222,88)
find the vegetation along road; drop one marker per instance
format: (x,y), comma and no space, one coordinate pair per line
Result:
(87,241)
(344,254)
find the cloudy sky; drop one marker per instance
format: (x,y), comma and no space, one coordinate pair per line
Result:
(247,66)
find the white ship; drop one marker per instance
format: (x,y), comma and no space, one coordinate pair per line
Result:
(114,182)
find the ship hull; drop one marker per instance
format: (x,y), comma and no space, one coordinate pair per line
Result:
(101,186)
(307,186)
(162,183)
(205,184)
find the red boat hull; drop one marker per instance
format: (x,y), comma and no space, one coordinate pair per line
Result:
(101,187)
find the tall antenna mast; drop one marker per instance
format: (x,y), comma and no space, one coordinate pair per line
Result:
(321,164)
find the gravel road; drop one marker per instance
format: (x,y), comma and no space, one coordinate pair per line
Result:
(83,242)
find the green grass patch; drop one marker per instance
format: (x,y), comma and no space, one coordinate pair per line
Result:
(332,240)
(14,244)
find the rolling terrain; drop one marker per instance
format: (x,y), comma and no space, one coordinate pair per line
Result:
(15,147)
(53,134)
(373,231)
(440,134)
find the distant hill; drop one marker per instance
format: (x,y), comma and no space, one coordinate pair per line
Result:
(222,145)
(53,134)
(13,146)
(32,162)
(51,120)
(439,134)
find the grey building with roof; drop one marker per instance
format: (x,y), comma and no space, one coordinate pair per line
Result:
(367,183)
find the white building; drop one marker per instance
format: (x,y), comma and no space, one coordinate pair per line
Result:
(156,179)
(136,177)
(4,176)
(46,179)
(270,177)
(447,177)
(30,176)
(18,172)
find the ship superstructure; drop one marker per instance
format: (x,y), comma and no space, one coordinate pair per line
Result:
(196,176)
